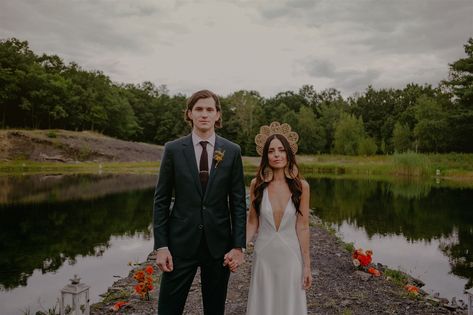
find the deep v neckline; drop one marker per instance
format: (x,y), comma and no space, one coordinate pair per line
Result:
(272,211)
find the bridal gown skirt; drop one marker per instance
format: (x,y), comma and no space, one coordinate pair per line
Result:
(276,275)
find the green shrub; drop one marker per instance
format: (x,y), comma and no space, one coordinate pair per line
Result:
(396,276)
(51,134)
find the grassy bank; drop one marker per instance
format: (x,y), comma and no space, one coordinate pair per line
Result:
(457,167)
(30,167)
(451,166)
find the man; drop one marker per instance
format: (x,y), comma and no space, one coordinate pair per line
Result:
(206,226)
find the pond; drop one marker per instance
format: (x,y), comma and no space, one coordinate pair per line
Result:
(422,228)
(56,226)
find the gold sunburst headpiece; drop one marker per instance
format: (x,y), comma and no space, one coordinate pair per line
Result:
(275,127)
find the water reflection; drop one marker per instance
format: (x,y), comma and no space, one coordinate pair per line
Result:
(49,222)
(56,188)
(53,226)
(420,212)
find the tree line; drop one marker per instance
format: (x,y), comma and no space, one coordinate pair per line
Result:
(41,91)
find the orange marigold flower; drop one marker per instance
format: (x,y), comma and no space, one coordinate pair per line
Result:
(139,288)
(139,275)
(374,272)
(118,305)
(149,269)
(412,288)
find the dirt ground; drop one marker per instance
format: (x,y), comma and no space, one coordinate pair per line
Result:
(71,146)
(337,288)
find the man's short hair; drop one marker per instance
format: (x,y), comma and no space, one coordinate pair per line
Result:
(199,95)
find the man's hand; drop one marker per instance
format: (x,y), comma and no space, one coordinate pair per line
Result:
(233,259)
(164,260)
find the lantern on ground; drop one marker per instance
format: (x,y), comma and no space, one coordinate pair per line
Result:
(470,301)
(75,298)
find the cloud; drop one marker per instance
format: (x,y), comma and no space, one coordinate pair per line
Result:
(268,46)
(345,79)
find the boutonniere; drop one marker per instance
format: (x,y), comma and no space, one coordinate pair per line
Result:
(218,157)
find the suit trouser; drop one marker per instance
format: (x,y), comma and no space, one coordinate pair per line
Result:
(175,285)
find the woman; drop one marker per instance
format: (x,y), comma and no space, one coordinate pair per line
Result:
(279,215)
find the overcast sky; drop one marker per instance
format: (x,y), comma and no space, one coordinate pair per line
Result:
(268,46)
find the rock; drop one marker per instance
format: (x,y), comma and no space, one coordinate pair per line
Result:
(450,307)
(362,275)
(345,303)
(432,299)
(462,304)
(419,283)
(57,158)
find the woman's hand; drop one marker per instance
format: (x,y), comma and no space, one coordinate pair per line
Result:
(306,278)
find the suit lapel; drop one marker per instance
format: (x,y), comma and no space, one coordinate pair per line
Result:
(189,154)
(214,170)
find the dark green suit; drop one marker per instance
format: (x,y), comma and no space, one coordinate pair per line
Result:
(199,229)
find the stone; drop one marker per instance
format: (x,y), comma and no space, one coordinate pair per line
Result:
(362,275)
(345,303)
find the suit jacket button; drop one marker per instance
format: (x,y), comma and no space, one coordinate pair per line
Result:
(204,207)
(201,226)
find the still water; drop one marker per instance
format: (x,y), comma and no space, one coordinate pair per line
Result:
(423,228)
(53,227)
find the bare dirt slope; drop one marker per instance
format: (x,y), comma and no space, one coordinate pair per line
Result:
(70,146)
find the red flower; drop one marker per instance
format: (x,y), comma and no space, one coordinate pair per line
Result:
(149,269)
(362,257)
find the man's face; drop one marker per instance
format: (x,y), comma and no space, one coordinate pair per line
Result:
(204,114)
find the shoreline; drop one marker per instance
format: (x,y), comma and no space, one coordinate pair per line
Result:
(338,288)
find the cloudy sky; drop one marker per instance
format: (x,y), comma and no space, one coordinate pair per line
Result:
(264,45)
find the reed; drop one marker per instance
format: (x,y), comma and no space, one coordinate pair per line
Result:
(411,164)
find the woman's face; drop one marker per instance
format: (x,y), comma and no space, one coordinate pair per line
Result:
(277,154)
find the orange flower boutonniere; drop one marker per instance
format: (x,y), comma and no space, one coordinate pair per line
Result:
(218,157)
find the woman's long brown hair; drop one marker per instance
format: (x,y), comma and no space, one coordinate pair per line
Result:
(295,185)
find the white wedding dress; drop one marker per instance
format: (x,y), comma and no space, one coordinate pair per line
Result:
(276,275)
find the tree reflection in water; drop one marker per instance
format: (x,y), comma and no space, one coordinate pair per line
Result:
(418,211)
(47,222)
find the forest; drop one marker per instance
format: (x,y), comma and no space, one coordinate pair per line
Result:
(43,92)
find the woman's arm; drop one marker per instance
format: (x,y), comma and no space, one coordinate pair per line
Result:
(303,234)
(253,221)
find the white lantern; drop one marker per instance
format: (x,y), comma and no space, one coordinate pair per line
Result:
(75,298)
(470,301)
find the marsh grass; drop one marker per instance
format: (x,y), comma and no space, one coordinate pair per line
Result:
(411,164)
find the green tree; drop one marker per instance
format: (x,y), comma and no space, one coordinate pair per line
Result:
(367,146)
(349,132)
(311,133)
(329,115)
(402,137)
(247,118)
(432,128)
(460,85)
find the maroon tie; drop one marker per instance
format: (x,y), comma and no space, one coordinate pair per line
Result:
(204,166)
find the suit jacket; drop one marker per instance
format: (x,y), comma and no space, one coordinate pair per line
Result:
(219,215)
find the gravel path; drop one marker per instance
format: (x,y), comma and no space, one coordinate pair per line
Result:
(337,288)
